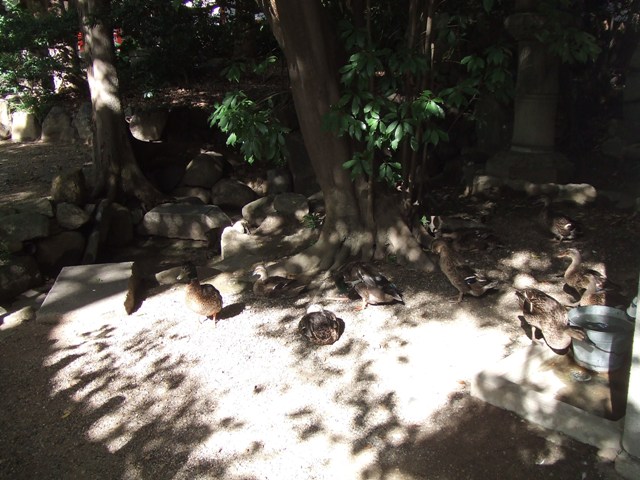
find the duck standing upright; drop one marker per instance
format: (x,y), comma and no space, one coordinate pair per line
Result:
(203,299)
(369,283)
(464,278)
(578,276)
(545,313)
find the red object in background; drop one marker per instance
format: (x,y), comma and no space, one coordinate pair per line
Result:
(117,39)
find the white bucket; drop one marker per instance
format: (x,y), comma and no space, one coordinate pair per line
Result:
(610,335)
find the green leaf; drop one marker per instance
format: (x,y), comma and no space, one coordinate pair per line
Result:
(391,127)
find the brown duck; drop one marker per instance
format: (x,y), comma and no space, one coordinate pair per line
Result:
(203,299)
(275,286)
(577,276)
(545,313)
(597,294)
(561,226)
(464,278)
(320,326)
(369,283)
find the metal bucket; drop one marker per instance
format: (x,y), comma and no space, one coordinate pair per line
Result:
(610,333)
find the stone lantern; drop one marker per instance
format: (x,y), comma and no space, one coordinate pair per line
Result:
(532,154)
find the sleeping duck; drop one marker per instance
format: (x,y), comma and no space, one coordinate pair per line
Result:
(369,283)
(545,313)
(320,326)
(275,286)
(203,299)
(561,226)
(464,278)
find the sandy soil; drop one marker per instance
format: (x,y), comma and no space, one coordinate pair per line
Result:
(160,395)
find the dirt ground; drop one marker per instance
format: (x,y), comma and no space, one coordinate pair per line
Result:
(159,395)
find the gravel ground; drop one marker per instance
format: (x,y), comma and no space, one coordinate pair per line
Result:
(160,395)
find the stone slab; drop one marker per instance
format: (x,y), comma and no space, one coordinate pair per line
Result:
(525,384)
(181,220)
(87,291)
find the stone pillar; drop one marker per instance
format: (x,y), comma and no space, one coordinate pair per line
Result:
(628,462)
(532,155)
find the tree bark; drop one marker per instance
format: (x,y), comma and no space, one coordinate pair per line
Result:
(304,34)
(117,173)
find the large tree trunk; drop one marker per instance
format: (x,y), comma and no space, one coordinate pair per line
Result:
(116,171)
(350,229)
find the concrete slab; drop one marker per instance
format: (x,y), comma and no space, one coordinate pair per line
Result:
(87,291)
(554,392)
(181,220)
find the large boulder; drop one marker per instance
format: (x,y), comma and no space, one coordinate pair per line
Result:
(5,120)
(70,216)
(57,127)
(148,125)
(257,211)
(179,220)
(205,170)
(82,122)
(291,204)
(19,227)
(202,194)
(58,251)
(25,127)
(17,275)
(69,187)
(232,193)
(279,180)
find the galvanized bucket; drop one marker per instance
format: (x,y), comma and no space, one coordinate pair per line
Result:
(610,337)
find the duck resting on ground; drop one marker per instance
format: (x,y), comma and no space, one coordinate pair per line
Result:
(464,278)
(203,299)
(275,286)
(369,283)
(561,226)
(545,313)
(320,326)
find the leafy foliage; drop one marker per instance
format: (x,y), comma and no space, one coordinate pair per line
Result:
(252,127)
(32,49)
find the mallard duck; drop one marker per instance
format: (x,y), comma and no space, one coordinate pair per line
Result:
(369,283)
(561,226)
(203,299)
(275,286)
(545,313)
(598,293)
(321,326)
(464,278)
(577,276)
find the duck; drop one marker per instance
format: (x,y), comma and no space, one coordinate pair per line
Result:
(545,313)
(320,326)
(369,283)
(578,277)
(561,226)
(597,293)
(463,277)
(275,286)
(203,299)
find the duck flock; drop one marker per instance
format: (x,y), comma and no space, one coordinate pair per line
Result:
(365,280)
